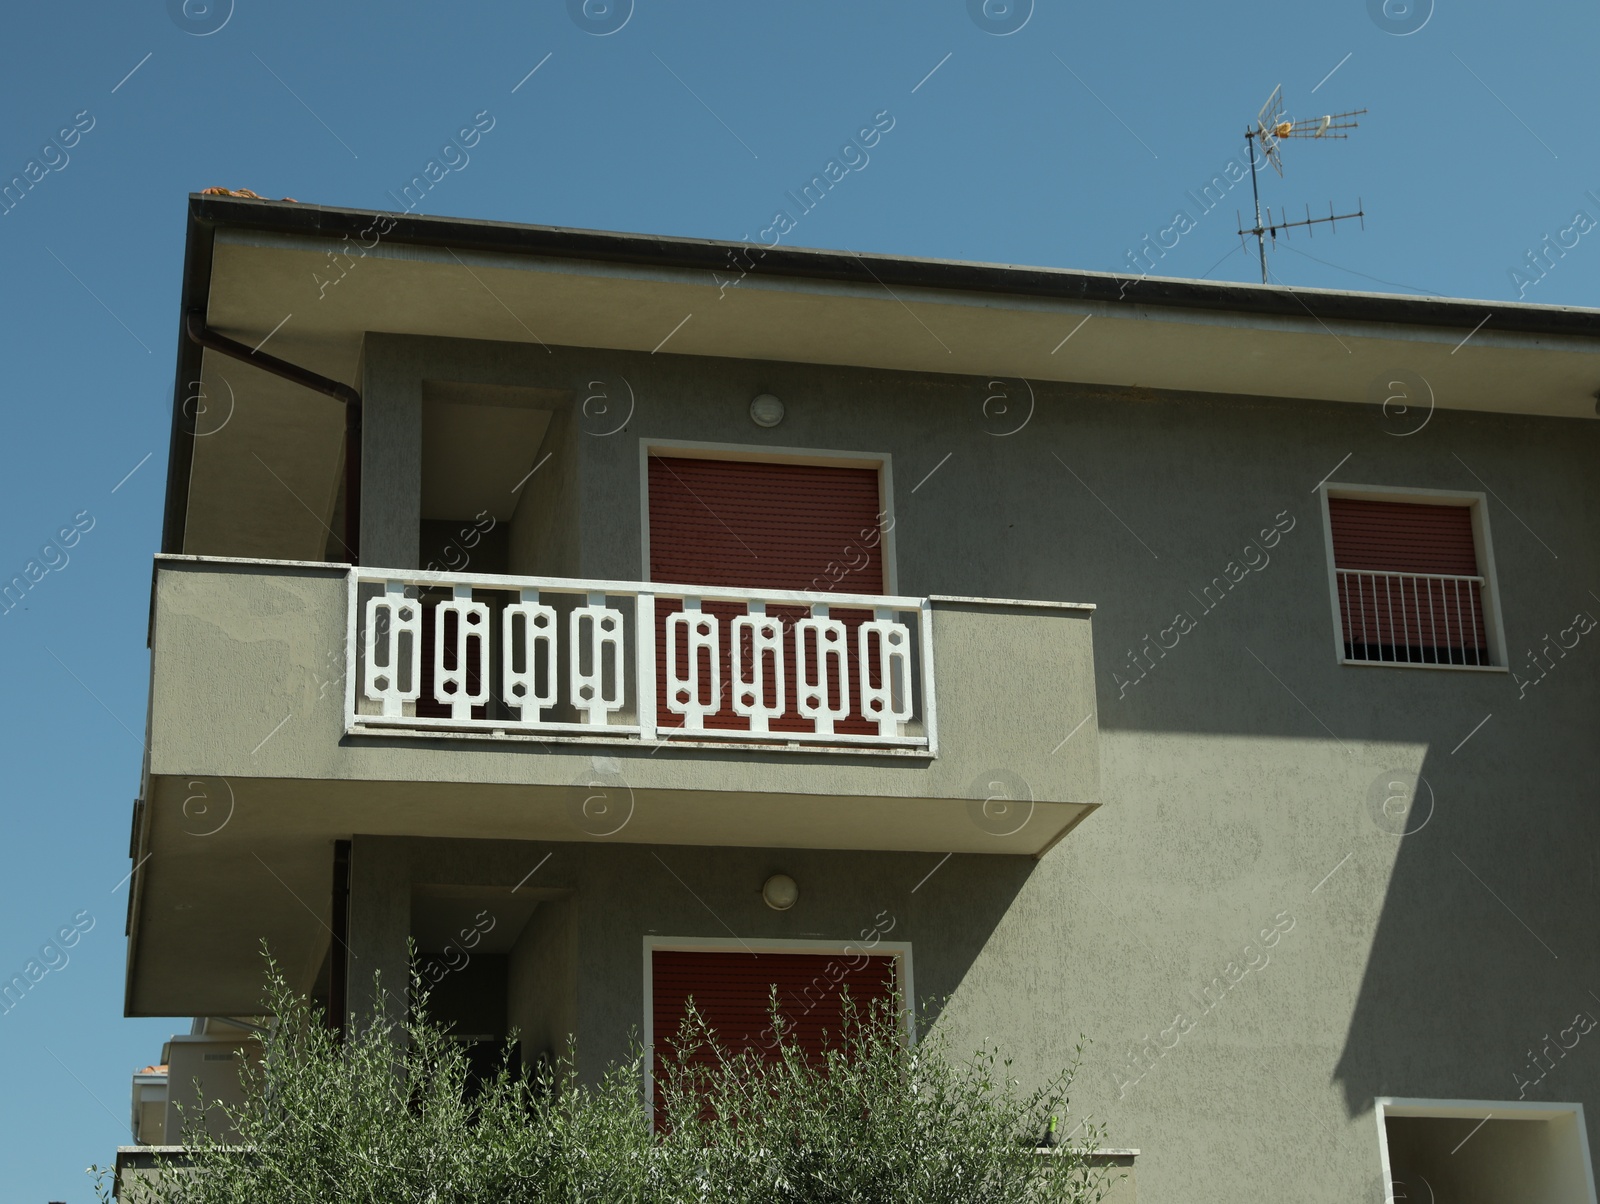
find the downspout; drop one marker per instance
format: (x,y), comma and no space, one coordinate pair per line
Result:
(339,950)
(197,330)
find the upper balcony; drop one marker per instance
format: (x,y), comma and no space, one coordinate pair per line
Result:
(346,698)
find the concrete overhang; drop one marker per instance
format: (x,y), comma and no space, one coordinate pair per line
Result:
(317,280)
(241,861)
(253,774)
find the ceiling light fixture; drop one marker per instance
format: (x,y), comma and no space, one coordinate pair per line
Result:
(766,410)
(780,892)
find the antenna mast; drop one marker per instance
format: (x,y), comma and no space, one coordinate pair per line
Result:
(1270,129)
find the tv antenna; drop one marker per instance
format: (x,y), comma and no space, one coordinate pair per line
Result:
(1271,129)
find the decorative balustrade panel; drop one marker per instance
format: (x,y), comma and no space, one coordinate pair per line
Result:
(446,652)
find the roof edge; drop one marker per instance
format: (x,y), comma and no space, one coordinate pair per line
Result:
(287,217)
(208,213)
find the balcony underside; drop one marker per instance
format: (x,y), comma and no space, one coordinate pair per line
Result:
(223,813)
(259,853)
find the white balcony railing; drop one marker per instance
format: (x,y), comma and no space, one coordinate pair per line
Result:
(1412,618)
(518,656)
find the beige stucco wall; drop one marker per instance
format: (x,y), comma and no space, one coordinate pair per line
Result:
(544,529)
(203,1071)
(1237,767)
(542,994)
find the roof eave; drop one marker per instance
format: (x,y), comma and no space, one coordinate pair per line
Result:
(961,275)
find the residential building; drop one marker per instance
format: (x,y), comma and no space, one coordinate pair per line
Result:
(210,1054)
(1203,668)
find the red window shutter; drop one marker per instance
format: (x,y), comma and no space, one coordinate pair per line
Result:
(730,990)
(1399,566)
(755,525)
(1402,537)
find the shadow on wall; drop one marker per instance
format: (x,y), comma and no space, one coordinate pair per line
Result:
(1481,977)
(563,958)
(1460,903)
(1460,930)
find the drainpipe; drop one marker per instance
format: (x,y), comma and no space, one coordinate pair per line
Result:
(339,950)
(199,332)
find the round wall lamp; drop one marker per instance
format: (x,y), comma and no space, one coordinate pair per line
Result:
(766,410)
(780,892)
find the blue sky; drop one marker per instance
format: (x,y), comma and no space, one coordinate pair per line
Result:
(1063,143)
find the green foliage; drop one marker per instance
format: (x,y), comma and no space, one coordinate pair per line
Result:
(391,1116)
(875,1121)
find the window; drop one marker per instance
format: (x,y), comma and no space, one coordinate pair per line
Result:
(765,525)
(796,524)
(730,982)
(1410,585)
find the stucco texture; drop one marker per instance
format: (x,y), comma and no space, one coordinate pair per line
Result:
(1254,947)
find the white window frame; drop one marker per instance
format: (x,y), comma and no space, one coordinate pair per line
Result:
(690,449)
(899,950)
(1475,1109)
(1483,553)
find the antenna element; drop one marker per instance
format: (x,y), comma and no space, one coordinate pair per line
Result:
(1271,129)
